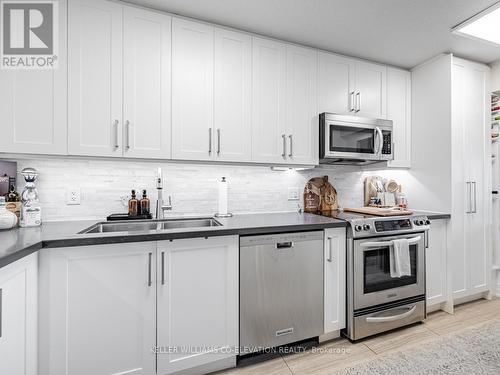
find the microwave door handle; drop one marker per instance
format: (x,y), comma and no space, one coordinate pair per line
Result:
(380,142)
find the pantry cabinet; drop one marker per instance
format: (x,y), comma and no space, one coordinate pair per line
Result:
(192,90)
(350,86)
(334,279)
(33,104)
(98,309)
(119,81)
(399,111)
(18,316)
(198,299)
(436,269)
(232,96)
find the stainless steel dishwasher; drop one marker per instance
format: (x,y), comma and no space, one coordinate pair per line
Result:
(281,289)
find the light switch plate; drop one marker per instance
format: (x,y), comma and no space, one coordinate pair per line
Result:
(73,196)
(293,194)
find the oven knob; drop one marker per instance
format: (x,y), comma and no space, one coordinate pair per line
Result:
(358,228)
(366,227)
(427,222)
(419,222)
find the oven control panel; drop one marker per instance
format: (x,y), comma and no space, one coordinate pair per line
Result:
(392,225)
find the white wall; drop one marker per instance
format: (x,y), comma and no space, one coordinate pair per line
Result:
(193,187)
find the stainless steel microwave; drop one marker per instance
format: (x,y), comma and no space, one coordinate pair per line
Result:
(348,139)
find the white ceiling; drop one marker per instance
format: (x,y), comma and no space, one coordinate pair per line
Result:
(397,32)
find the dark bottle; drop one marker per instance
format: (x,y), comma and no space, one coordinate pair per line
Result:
(144,203)
(133,205)
(12,195)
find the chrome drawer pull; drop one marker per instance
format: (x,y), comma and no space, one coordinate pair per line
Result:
(384,319)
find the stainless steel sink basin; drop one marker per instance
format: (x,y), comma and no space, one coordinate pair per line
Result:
(150,225)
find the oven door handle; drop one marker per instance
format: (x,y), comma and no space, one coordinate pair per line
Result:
(392,318)
(411,241)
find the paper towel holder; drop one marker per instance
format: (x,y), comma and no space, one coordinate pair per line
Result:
(227,214)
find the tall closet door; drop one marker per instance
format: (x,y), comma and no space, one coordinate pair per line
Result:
(476,132)
(95,78)
(147,83)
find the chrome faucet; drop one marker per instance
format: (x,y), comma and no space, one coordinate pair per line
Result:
(160,206)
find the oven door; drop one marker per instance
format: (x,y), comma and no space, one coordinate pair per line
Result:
(372,281)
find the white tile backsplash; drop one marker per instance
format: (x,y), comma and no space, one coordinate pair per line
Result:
(193,187)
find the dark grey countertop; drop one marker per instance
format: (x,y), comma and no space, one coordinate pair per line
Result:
(20,242)
(432,215)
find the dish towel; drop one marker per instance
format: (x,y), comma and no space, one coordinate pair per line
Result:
(399,258)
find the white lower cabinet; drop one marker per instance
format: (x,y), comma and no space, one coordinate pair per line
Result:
(197,302)
(18,317)
(107,309)
(334,278)
(98,310)
(435,263)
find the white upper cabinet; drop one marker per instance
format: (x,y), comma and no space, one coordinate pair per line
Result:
(233,96)
(335,84)
(302,120)
(33,104)
(399,111)
(192,90)
(370,95)
(269,100)
(95,78)
(147,84)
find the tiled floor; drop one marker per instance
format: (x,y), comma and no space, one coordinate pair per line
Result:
(341,353)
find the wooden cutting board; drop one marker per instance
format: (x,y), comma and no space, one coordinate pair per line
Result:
(376,211)
(320,195)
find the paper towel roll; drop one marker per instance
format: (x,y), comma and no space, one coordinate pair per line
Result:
(222,197)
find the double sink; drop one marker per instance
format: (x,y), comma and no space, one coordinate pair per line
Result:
(150,225)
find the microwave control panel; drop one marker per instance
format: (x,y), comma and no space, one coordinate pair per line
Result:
(387,143)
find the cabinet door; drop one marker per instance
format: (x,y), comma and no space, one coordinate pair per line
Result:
(335,287)
(18,317)
(33,104)
(335,84)
(302,121)
(399,111)
(268,101)
(371,90)
(435,263)
(233,91)
(477,158)
(147,83)
(95,78)
(98,309)
(197,301)
(192,90)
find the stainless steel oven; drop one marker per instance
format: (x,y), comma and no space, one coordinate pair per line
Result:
(377,302)
(348,139)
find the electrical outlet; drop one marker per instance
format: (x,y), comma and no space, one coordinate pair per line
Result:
(73,196)
(293,194)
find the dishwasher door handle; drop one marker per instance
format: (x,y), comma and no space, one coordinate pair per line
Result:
(284,245)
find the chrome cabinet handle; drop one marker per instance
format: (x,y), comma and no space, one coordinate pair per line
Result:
(150,260)
(162,268)
(218,141)
(209,141)
(329,259)
(127,138)
(358,102)
(284,146)
(468,189)
(384,319)
(351,102)
(474,211)
(115,126)
(291,145)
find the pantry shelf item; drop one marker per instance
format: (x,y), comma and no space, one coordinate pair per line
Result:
(31,212)
(320,195)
